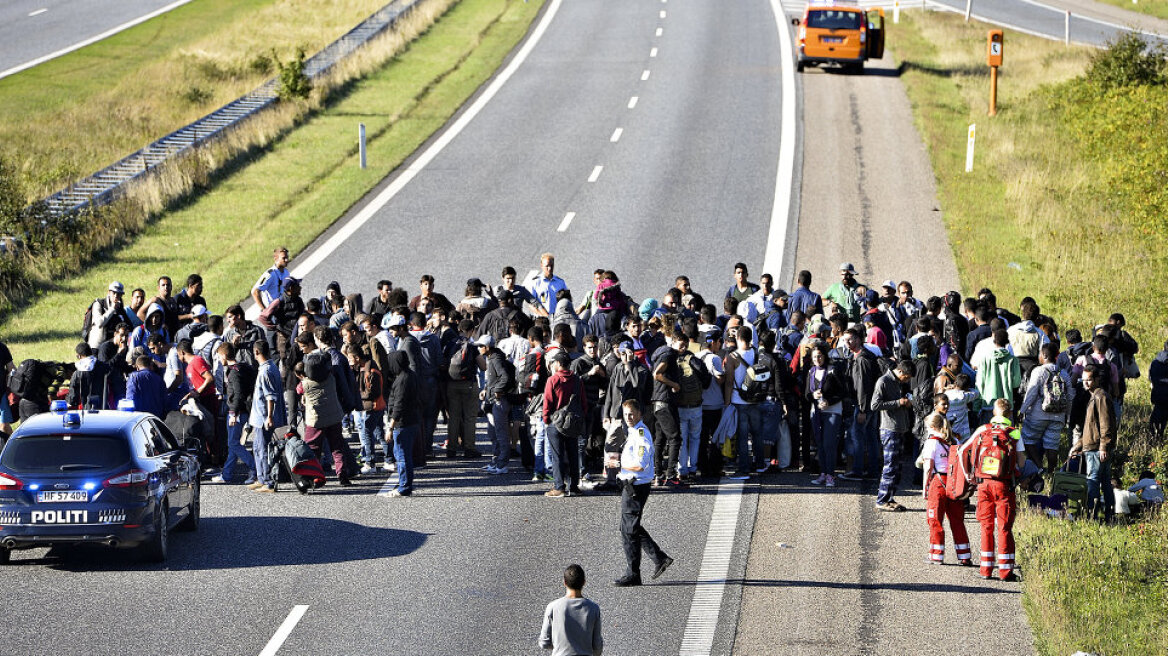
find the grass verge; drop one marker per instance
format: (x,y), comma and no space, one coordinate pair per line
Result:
(290,191)
(1157,8)
(1063,206)
(70,116)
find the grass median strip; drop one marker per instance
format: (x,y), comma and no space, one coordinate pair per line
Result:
(1062,205)
(295,189)
(70,116)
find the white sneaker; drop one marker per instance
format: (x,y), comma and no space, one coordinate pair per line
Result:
(217,479)
(498,470)
(830,482)
(820,480)
(490,469)
(366,469)
(390,467)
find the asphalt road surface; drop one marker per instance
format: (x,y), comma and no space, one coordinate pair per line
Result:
(32,31)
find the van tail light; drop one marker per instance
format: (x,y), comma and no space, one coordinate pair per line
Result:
(10,482)
(132,478)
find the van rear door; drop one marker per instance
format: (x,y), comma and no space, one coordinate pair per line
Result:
(875,44)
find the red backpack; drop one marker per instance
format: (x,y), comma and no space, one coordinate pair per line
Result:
(960,484)
(995,454)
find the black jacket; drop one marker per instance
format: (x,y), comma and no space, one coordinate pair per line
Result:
(865,372)
(403,404)
(833,387)
(500,375)
(240,385)
(90,384)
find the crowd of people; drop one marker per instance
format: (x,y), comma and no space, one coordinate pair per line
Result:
(845,382)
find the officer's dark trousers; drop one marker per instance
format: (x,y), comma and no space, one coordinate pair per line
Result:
(634,537)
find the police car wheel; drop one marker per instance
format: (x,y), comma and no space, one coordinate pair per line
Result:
(157,547)
(191,521)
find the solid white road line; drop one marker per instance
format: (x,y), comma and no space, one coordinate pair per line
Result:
(633,102)
(785,177)
(38,12)
(284,631)
(566,222)
(76,46)
(595,176)
(653,52)
(304,267)
(645,75)
(660,31)
(698,639)
(616,134)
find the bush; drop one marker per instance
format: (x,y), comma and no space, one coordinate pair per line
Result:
(293,82)
(1127,62)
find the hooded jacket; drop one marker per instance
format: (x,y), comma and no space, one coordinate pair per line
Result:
(998,374)
(559,390)
(500,376)
(626,381)
(90,384)
(403,402)
(322,408)
(865,372)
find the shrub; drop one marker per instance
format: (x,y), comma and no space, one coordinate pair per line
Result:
(293,82)
(1128,61)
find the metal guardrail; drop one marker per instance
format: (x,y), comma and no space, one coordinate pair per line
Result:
(103,187)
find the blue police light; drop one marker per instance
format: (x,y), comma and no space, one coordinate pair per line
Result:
(71,419)
(58,407)
(126,405)
(34,487)
(89,486)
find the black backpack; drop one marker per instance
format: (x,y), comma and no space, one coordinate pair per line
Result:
(759,379)
(533,376)
(463,365)
(87,322)
(27,380)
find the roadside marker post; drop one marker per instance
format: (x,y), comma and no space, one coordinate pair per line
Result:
(1067,28)
(994,49)
(896,11)
(361,142)
(969,148)
(968,9)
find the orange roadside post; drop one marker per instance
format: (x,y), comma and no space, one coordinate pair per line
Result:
(994,49)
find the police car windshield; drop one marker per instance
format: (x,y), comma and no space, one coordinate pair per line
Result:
(64,453)
(834,19)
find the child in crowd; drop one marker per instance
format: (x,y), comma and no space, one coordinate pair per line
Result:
(1149,490)
(962,397)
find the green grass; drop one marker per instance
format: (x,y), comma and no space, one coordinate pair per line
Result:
(70,116)
(1157,8)
(1064,204)
(303,182)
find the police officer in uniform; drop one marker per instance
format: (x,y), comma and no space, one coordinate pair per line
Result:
(636,479)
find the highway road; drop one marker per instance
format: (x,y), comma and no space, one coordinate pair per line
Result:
(33,31)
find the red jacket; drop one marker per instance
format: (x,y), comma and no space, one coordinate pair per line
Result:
(559,388)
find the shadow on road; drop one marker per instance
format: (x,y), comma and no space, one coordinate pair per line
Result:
(243,542)
(989,588)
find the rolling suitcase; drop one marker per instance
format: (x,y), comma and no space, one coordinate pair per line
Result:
(1072,484)
(302,464)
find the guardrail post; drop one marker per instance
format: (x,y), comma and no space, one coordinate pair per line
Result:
(361,142)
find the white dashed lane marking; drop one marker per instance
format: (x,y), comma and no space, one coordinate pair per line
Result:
(645,76)
(663,13)
(566,222)
(616,134)
(595,174)
(284,631)
(653,52)
(38,12)
(633,102)
(660,31)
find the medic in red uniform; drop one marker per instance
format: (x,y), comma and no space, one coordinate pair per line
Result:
(934,460)
(997,455)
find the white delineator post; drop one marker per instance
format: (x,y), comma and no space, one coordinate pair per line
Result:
(969,149)
(1067,28)
(896,11)
(968,9)
(361,142)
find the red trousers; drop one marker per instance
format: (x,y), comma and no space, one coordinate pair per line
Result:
(996,502)
(939,506)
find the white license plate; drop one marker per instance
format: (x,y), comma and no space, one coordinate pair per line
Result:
(833,39)
(76,496)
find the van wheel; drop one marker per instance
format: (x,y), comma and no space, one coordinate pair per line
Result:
(157,548)
(799,67)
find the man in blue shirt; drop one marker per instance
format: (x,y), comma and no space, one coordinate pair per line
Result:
(636,479)
(803,299)
(546,286)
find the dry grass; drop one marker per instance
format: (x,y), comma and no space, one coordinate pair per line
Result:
(1157,8)
(71,116)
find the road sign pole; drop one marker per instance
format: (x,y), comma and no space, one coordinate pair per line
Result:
(361,142)
(993,91)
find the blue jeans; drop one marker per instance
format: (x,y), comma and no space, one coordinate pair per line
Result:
(1099,480)
(236,451)
(539,441)
(403,452)
(564,460)
(260,437)
(893,444)
(372,427)
(749,426)
(864,444)
(691,439)
(497,430)
(825,428)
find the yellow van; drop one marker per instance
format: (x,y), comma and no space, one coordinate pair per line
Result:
(840,34)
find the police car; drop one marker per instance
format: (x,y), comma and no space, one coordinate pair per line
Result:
(107,477)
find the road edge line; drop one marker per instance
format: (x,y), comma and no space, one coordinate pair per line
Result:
(92,40)
(285,630)
(412,169)
(776,246)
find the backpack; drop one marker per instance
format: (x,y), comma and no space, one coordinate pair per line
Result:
(759,379)
(1054,394)
(463,365)
(27,379)
(566,420)
(959,484)
(694,380)
(534,374)
(995,454)
(87,321)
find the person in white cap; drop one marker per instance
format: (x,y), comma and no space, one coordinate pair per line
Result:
(104,315)
(198,325)
(844,292)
